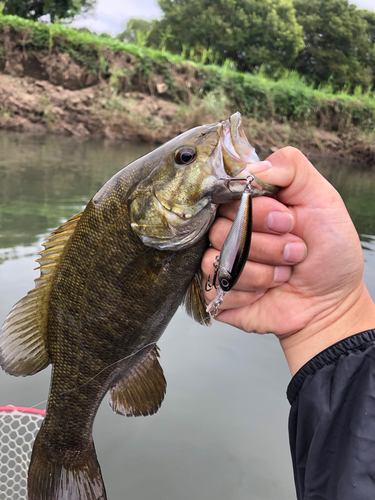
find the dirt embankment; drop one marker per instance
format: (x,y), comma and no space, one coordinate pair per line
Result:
(48,91)
(39,107)
(51,93)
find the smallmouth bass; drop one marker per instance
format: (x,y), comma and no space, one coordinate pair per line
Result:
(111,279)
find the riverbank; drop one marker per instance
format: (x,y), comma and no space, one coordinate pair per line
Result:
(56,80)
(40,107)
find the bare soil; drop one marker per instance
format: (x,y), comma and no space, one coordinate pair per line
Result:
(42,104)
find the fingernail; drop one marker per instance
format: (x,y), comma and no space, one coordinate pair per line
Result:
(260,166)
(295,252)
(282,274)
(279,222)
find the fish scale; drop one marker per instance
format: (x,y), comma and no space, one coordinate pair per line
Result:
(111,279)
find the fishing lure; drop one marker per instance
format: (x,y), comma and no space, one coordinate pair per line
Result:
(235,250)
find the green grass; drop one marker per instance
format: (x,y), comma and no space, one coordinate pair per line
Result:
(285,98)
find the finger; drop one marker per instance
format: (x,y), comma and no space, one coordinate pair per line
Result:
(302,182)
(277,250)
(258,277)
(236,299)
(255,276)
(269,215)
(272,249)
(263,312)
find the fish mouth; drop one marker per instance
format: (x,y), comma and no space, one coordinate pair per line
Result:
(237,151)
(238,154)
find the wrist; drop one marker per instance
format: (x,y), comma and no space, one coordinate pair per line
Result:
(355,314)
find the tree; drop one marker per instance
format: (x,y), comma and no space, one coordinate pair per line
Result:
(337,44)
(136,29)
(250,32)
(369,17)
(34,9)
(29,9)
(142,33)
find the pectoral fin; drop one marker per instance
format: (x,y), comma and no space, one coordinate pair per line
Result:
(142,391)
(194,301)
(23,336)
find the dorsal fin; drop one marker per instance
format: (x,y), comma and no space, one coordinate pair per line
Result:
(142,390)
(23,336)
(194,301)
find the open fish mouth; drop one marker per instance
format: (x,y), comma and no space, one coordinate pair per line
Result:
(238,154)
(176,203)
(237,151)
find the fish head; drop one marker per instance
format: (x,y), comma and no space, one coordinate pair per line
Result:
(176,203)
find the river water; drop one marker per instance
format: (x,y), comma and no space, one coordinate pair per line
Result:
(222,430)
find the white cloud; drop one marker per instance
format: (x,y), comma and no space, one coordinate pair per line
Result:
(112,15)
(364,4)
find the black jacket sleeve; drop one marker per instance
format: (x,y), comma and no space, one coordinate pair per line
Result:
(332,422)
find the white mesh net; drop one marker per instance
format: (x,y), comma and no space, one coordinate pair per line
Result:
(18,428)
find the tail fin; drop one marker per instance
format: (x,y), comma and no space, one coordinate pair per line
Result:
(79,480)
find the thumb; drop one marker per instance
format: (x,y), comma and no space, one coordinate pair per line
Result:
(302,183)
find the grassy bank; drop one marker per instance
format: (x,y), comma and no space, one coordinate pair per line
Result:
(76,60)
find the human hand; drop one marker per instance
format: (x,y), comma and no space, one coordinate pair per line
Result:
(322,299)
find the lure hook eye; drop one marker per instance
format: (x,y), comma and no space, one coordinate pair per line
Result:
(249,179)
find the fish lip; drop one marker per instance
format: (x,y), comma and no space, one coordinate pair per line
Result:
(237,155)
(236,149)
(239,140)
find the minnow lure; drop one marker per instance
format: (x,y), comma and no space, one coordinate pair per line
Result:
(235,250)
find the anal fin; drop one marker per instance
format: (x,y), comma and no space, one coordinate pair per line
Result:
(142,390)
(194,301)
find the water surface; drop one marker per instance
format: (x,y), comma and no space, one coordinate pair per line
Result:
(221,433)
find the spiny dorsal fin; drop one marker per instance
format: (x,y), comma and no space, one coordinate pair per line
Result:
(194,301)
(142,391)
(23,336)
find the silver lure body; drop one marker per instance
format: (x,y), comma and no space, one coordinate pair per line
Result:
(236,246)
(235,250)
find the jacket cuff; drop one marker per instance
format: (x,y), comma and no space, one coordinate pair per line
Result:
(359,341)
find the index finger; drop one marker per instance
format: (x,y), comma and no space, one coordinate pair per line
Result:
(263,207)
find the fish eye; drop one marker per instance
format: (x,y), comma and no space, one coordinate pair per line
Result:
(185,155)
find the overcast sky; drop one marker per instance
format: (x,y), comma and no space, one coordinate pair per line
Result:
(111,15)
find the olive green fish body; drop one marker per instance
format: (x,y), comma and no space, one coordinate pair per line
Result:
(110,280)
(106,311)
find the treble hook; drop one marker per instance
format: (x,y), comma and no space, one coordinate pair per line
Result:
(209,286)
